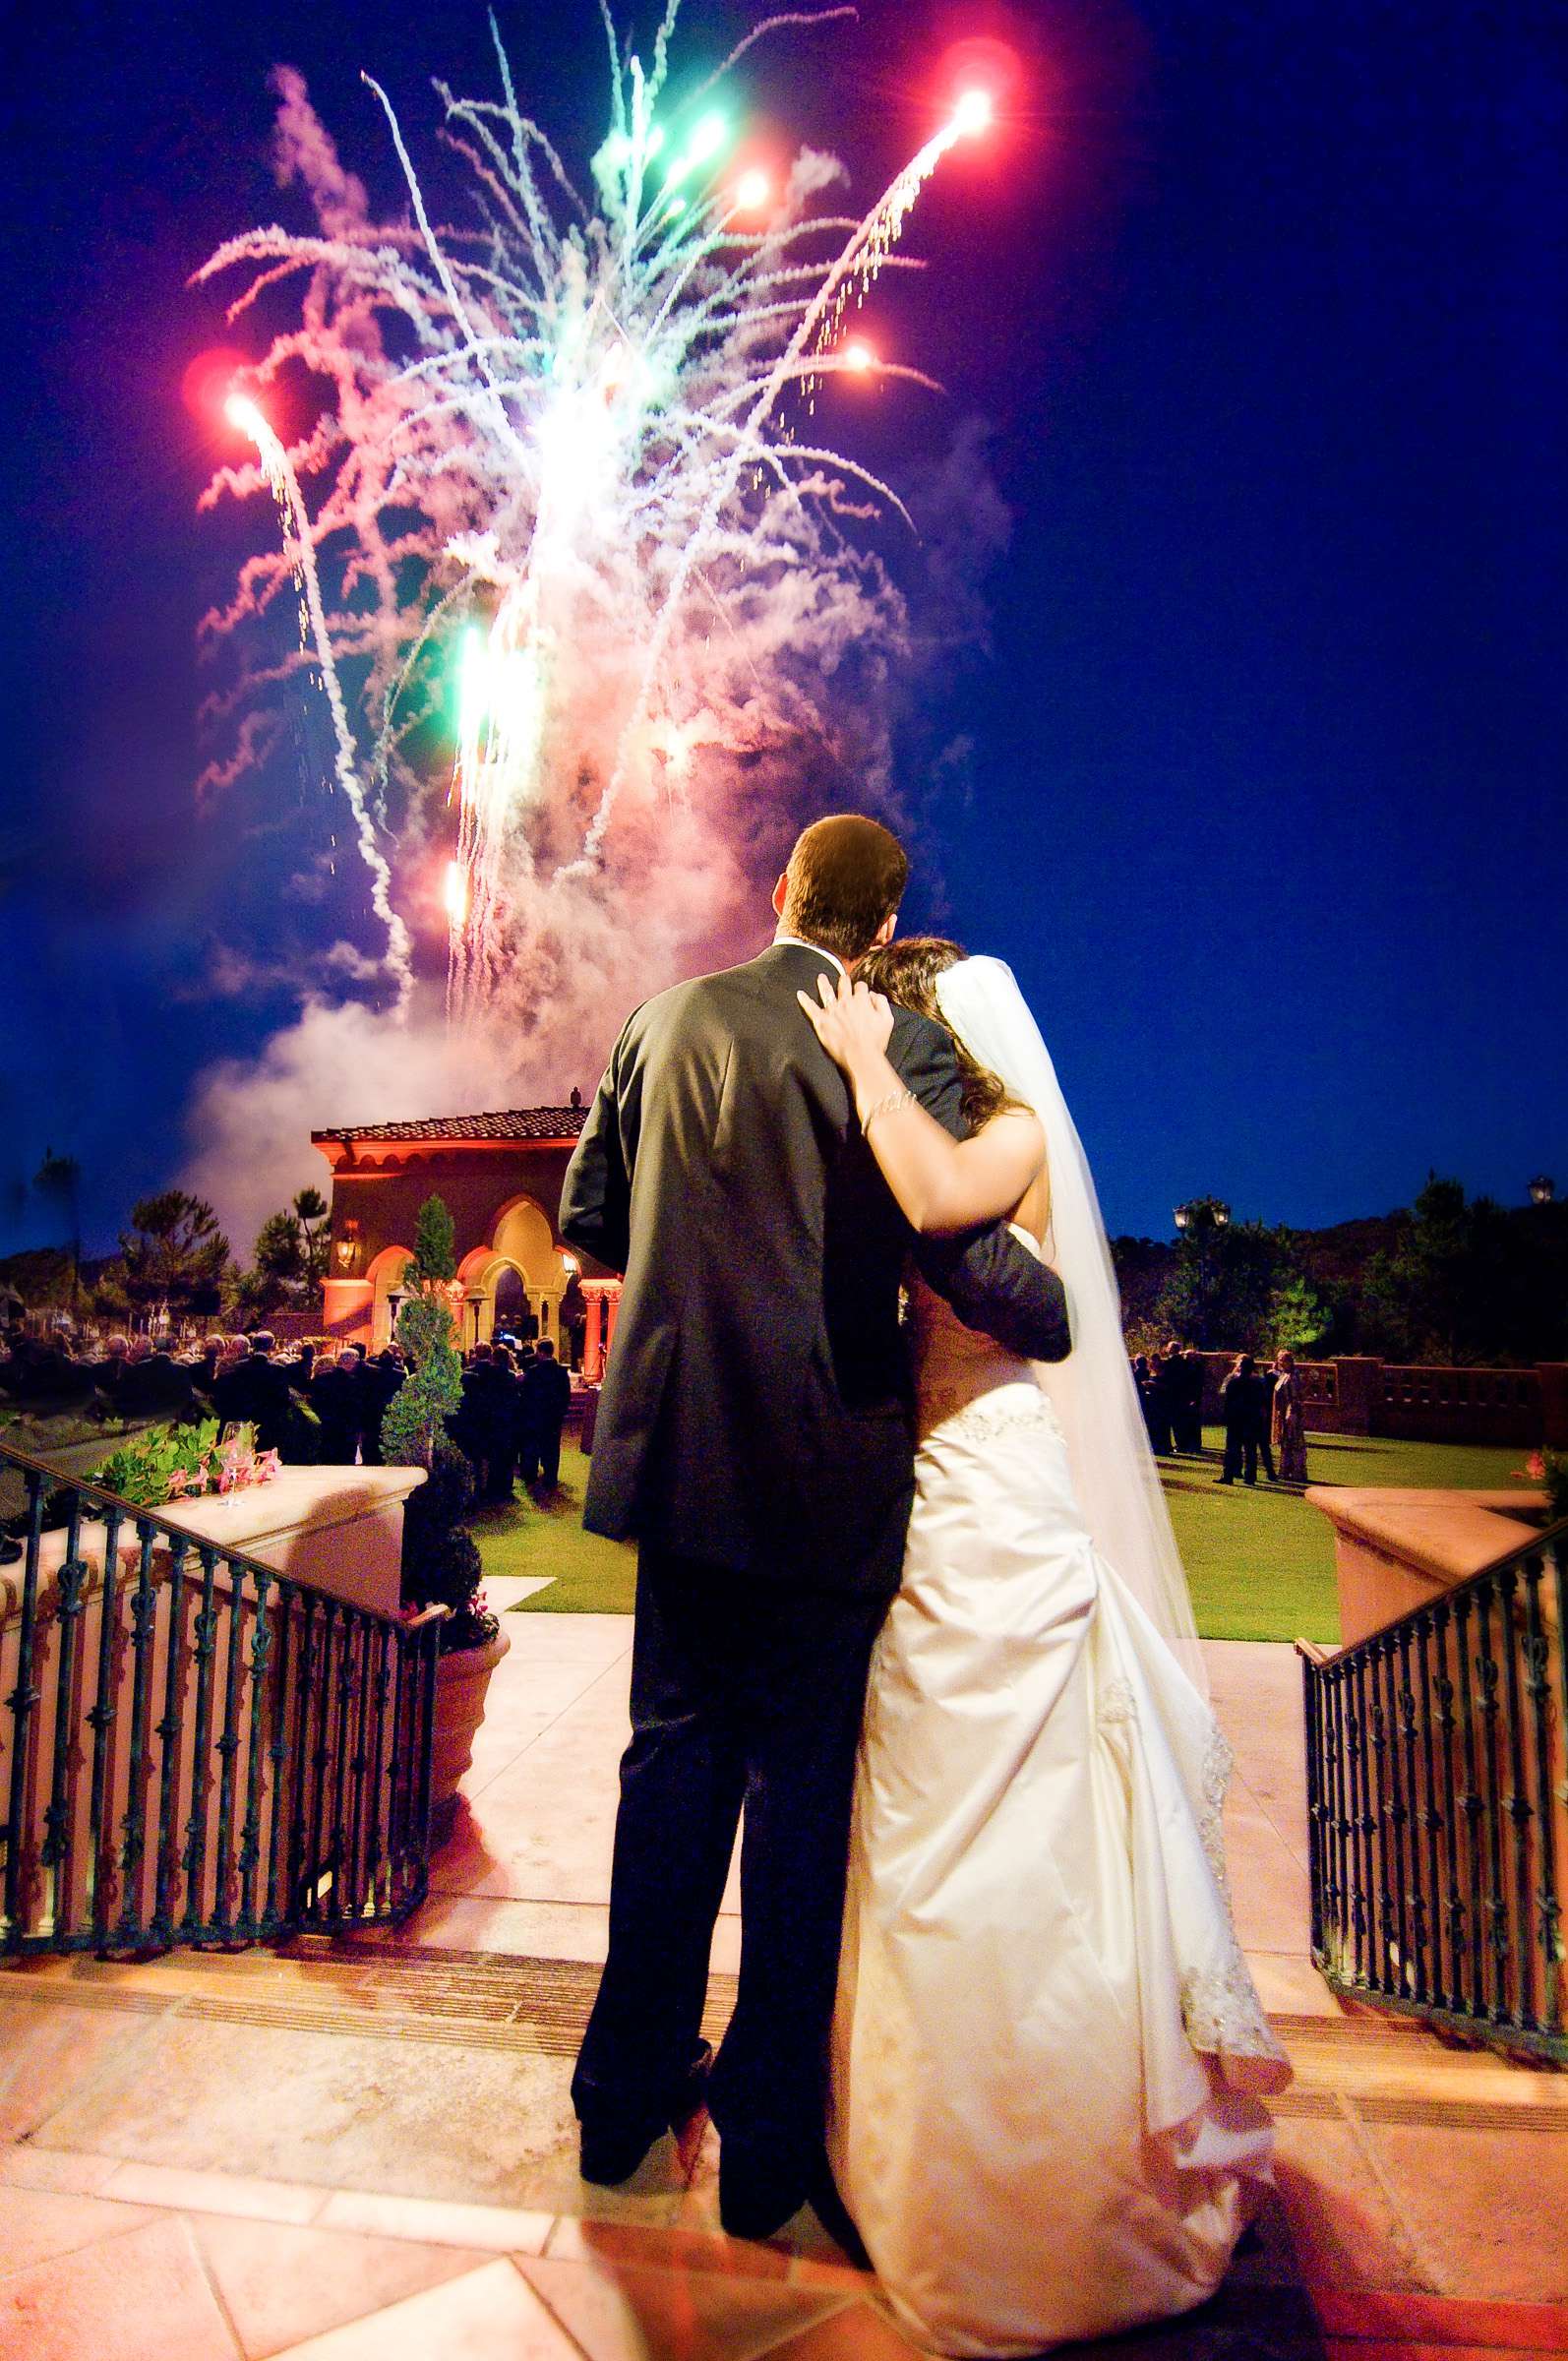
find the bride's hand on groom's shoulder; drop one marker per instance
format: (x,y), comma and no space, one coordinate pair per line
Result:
(853,1023)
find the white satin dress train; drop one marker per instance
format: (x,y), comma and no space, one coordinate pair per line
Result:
(1047,2049)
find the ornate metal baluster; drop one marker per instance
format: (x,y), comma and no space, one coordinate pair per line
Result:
(1340,1703)
(1380,1895)
(322,1759)
(1487,1683)
(205,1649)
(429,1645)
(56,1849)
(397,1761)
(339,1840)
(304,1686)
(1433,1816)
(372,1840)
(255,1755)
(101,1719)
(1394,1816)
(277,1751)
(1519,1810)
(1537,1687)
(226,1887)
(1420,1981)
(1360,1822)
(1318,1879)
(1470,1804)
(1446,1726)
(169,1731)
(144,1628)
(22,1700)
(357,1846)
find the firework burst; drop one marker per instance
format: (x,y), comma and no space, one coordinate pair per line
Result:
(567,493)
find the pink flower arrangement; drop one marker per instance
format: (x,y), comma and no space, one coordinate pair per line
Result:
(240,1464)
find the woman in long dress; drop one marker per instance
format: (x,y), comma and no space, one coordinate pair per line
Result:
(1048,2052)
(1289,1418)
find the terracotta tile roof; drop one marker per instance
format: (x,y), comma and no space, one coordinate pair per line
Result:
(509,1122)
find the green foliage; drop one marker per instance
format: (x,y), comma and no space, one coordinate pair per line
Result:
(41,1276)
(149,1470)
(1220,1287)
(1298,1318)
(279,1254)
(314,1216)
(173,1253)
(1468,1280)
(434,1255)
(289,1261)
(415,1420)
(441,1564)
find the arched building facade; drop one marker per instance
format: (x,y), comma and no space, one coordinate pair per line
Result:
(499,1177)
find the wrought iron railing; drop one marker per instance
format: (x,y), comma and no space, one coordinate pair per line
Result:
(195,1748)
(1437,1798)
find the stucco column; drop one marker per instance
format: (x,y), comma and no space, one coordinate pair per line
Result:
(593,1335)
(1360,1395)
(1553,1375)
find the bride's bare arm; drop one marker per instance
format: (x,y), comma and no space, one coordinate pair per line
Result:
(942,1184)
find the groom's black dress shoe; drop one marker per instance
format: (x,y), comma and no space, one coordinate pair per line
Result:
(755,2197)
(612,2149)
(833,2214)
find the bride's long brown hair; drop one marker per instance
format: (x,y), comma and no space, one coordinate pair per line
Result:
(906,970)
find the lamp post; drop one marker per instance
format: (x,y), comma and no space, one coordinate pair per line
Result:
(1543,1189)
(1201,1213)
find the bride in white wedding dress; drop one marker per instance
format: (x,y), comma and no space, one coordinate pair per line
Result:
(1048,2052)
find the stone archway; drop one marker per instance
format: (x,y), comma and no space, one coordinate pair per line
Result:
(384,1277)
(521,1267)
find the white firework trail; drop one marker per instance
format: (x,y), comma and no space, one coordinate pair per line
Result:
(573,441)
(284,484)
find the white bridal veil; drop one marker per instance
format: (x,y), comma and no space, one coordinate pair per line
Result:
(1093,1392)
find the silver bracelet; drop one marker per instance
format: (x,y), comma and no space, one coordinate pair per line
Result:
(889,1106)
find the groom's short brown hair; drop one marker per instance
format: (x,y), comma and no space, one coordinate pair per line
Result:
(846,875)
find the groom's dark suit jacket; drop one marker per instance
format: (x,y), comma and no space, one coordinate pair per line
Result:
(756,1412)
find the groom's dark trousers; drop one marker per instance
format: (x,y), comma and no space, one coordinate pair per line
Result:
(736,1698)
(756,1435)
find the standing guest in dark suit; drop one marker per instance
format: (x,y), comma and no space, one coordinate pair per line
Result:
(254,1391)
(1143,1379)
(505,1405)
(334,1397)
(1158,1415)
(380,1379)
(1186,1385)
(1241,1408)
(756,1435)
(546,1396)
(485,1426)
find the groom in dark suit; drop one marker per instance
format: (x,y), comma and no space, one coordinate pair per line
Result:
(755,1434)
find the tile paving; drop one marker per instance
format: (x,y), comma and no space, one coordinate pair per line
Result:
(366,2149)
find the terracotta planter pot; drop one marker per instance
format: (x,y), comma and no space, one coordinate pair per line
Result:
(461,1680)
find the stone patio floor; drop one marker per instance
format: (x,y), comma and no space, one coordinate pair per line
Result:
(364,2151)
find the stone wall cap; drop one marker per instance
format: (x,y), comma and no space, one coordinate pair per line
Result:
(296,1501)
(1452,1534)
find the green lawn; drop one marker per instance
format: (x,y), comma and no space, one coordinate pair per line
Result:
(590,1576)
(1260,1562)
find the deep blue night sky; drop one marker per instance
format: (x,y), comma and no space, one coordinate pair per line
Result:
(1263,307)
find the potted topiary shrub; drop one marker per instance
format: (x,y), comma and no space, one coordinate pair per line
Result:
(442,1567)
